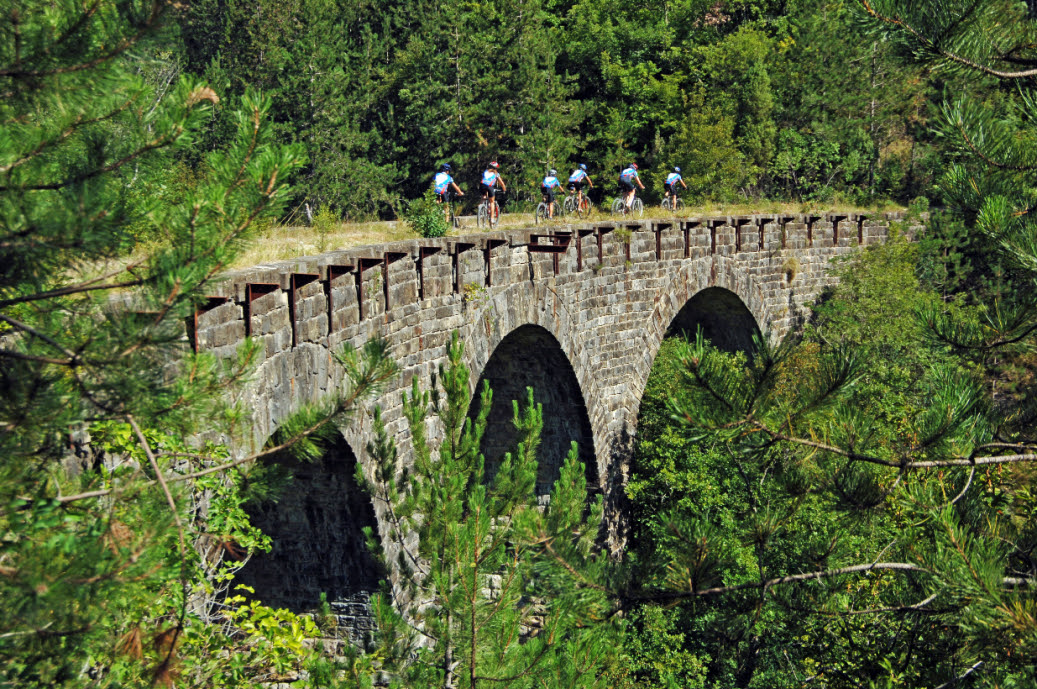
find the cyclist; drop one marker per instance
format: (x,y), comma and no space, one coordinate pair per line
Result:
(672,179)
(626,184)
(443,183)
(547,188)
(577,179)
(491,177)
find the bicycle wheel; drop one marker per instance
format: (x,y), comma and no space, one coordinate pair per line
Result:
(541,214)
(569,205)
(618,206)
(637,207)
(482,216)
(666,203)
(580,207)
(678,205)
(586,206)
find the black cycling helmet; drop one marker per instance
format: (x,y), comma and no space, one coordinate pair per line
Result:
(583,167)
(445,167)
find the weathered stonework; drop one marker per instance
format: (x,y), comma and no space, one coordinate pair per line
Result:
(580,310)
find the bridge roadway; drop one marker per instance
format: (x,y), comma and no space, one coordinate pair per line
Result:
(576,311)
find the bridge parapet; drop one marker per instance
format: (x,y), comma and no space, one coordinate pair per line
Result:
(324,299)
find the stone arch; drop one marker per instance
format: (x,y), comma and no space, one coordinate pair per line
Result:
(530,356)
(723,318)
(737,290)
(316,524)
(506,309)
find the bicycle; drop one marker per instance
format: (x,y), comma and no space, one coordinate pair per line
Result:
(580,207)
(673,202)
(484,218)
(448,212)
(637,207)
(543,212)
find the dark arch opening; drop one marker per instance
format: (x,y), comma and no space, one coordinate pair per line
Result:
(531,357)
(724,319)
(316,525)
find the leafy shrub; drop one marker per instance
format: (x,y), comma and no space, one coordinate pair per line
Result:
(425,216)
(323,223)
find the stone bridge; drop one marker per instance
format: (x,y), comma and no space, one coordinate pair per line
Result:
(578,312)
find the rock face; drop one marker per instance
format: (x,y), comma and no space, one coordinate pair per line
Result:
(578,312)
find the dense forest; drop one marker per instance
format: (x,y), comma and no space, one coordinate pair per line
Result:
(851,507)
(751,98)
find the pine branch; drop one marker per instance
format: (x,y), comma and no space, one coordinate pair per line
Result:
(376,376)
(935,49)
(151,146)
(962,676)
(68,131)
(120,48)
(675,596)
(74,289)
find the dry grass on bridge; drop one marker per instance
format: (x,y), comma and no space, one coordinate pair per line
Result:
(283,242)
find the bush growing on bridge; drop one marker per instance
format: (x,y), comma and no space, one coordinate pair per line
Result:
(426,217)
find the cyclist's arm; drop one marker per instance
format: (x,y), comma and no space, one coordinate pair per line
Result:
(683,184)
(638,178)
(457,188)
(501,180)
(589,182)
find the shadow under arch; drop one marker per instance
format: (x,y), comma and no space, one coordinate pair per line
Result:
(316,525)
(724,318)
(530,356)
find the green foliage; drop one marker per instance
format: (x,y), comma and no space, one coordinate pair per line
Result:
(704,147)
(121,536)
(987,248)
(873,313)
(550,84)
(503,589)
(324,223)
(426,216)
(847,452)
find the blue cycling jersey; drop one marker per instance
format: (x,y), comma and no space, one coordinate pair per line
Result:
(443,180)
(673,178)
(489,177)
(628,175)
(550,182)
(577,176)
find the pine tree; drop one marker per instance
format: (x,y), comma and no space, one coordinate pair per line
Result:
(496,589)
(117,525)
(946,460)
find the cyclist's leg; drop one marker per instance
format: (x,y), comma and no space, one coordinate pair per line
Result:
(442,201)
